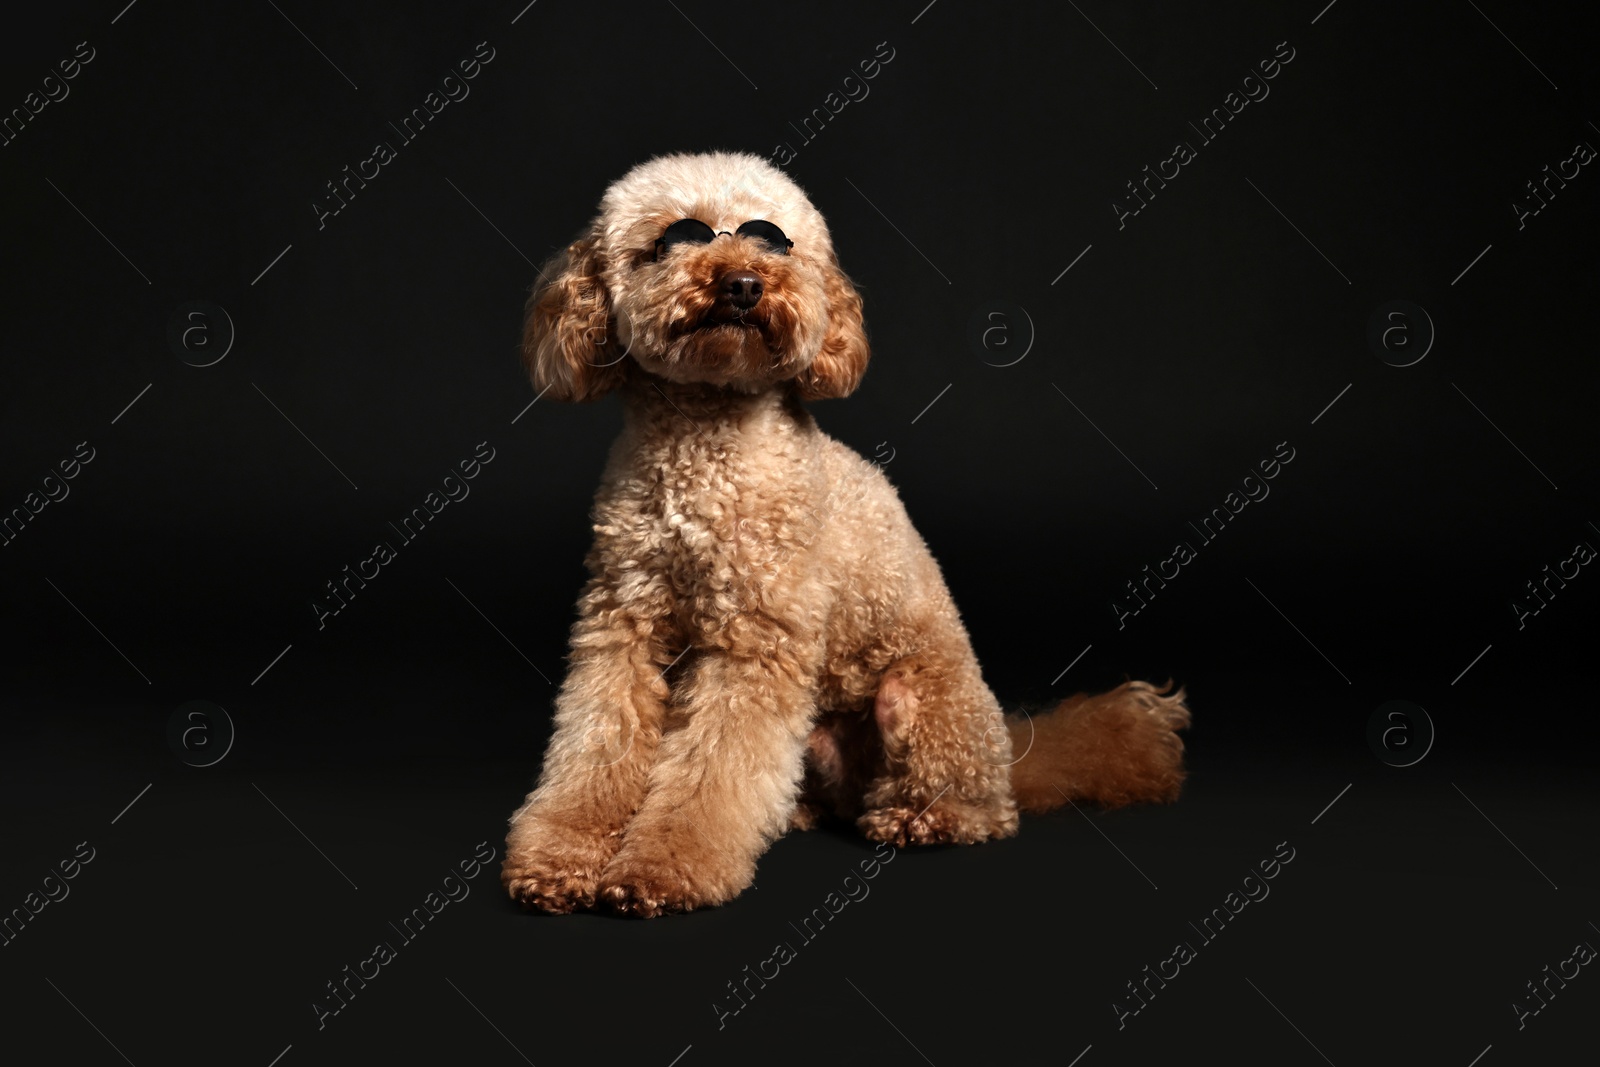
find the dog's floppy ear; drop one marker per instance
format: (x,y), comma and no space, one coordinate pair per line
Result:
(838,368)
(567,341)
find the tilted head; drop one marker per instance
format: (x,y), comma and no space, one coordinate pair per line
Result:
(742,309)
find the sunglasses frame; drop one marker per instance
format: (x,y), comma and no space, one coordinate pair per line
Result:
(662,245)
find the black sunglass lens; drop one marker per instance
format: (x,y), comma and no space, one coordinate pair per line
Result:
(766,231)
(686,231)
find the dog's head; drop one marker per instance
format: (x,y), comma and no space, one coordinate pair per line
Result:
(699,268)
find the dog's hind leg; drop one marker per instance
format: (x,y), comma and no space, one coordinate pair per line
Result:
(946,754)
(843,757)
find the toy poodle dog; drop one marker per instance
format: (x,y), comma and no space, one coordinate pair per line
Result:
(765,640)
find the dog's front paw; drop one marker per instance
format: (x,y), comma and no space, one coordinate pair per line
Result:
(941,823)
(647,894)
(539,884)
(647,885)
(552,869)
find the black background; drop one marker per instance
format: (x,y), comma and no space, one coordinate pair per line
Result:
(1222,319)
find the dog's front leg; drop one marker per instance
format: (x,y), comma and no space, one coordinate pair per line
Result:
(724,786)
(607,729)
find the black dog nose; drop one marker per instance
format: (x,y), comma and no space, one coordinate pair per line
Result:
(742,289)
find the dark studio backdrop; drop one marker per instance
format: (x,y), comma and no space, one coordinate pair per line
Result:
(1368,270)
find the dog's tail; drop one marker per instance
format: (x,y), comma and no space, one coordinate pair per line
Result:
(1108,749)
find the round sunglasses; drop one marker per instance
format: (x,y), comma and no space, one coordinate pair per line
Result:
(693,231)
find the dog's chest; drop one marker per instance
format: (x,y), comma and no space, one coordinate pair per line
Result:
(717,520)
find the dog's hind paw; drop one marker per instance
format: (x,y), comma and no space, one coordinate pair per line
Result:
(807,815)
(939,823)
